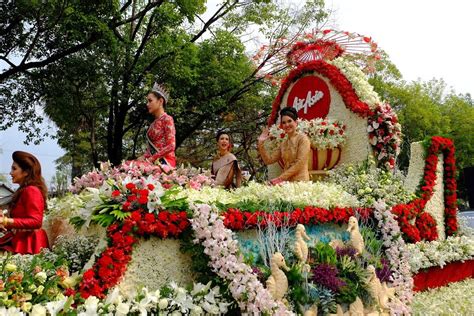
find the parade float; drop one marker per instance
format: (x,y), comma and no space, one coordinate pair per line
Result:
(360,239)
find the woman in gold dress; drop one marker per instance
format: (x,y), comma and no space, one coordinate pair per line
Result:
(225,167)
(294,151)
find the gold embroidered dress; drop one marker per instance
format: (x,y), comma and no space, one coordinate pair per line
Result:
(227,171)
(294,153)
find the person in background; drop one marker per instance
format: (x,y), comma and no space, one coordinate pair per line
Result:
(294,151)
(26,207)
(225,167)
(161,135)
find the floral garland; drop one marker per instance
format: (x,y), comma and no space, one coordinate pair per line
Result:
(436,146)
(236,219)
(228,263)
(337,79)
(112,262)
(385,135)
(359,82)
(398,257)
(425,225)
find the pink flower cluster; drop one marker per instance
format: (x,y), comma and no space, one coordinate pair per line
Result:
(93,179)
(228,263)
(134,169)
(385,135)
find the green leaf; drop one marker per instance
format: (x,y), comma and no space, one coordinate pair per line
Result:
(104,220)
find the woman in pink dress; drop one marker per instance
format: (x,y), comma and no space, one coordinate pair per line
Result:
(26,207)
(161,135)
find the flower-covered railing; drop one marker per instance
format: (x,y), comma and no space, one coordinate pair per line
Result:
(424,227)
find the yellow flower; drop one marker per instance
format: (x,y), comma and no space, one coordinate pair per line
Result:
(26,307)
(10,267)
(69,282)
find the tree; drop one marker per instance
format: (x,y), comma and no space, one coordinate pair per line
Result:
(95,95)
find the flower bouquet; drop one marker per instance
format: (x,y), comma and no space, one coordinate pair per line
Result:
(323,133)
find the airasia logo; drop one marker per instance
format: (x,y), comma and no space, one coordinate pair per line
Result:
(310,97)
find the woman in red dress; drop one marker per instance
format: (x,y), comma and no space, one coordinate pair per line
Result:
(26,207)
(161,135)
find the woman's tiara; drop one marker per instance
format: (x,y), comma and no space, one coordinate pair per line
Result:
(161,91)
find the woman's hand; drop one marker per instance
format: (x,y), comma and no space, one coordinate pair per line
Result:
(264,135)
(276,181)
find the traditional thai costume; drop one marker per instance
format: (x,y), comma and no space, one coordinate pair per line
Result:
(161,141)
(27,214)
(293,154)
(226,171)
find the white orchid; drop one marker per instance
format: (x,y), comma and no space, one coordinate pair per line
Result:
(55,307)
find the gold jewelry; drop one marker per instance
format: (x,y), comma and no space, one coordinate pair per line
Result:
(5,221)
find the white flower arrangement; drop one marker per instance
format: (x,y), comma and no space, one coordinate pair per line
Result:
(370,184)
(454,299)
(299,194)
(363,89)
(438,253)
(323,133)
(202,299)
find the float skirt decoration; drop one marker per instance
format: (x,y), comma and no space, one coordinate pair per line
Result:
(434,277)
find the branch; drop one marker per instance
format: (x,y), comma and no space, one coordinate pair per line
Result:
(71,50)
(144,40)
(213,19)
(147,8)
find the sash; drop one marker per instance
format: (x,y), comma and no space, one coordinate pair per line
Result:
(224,167)
(154,150)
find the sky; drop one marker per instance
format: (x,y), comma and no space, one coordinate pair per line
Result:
(424,39)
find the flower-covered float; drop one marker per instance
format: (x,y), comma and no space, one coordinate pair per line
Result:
(143,239)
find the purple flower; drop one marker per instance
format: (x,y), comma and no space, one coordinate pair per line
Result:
(326,275)
(384,273)
(345,251)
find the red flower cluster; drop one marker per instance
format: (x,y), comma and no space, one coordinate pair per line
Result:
(446,147)
(239,220)
(110,266)
(135,198)
(335,76)
(165,224)
(112,263)
(424,227)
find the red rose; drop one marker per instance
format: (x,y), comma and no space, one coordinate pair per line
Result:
(115,193)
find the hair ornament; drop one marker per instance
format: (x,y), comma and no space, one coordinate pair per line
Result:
(161,91)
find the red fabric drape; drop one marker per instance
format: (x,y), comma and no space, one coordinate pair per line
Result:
(435,276)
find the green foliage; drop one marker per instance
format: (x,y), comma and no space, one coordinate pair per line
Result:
(427,109)
(373,244)
(108,212)
(324,253)
(77,222)
(324,297)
